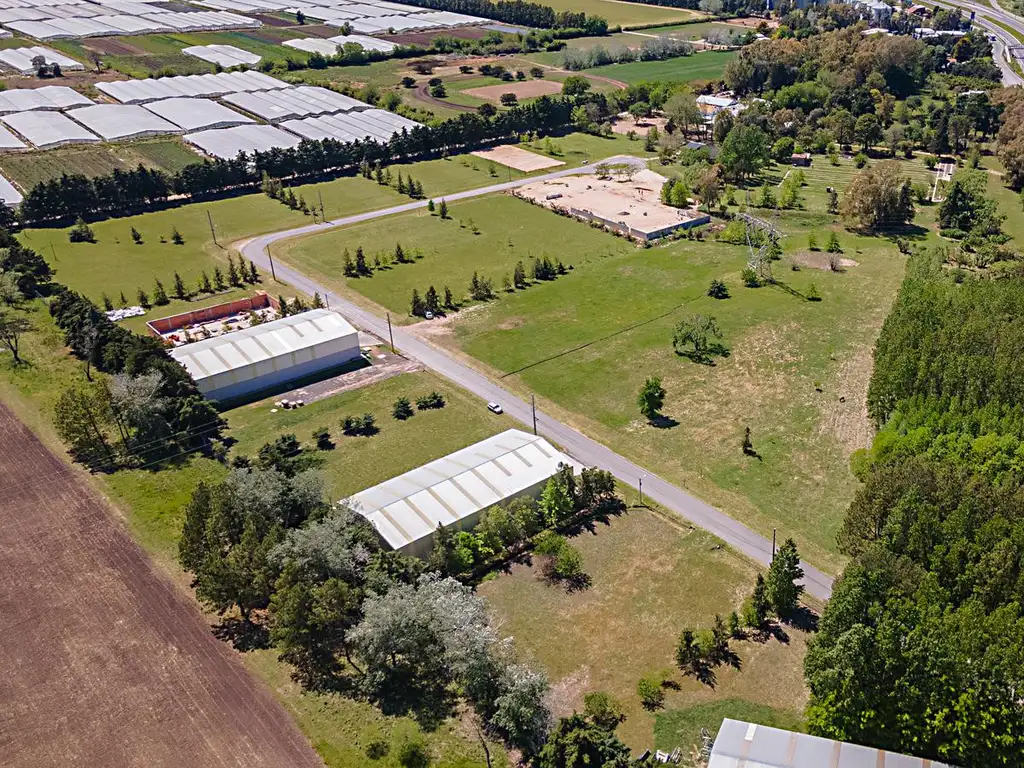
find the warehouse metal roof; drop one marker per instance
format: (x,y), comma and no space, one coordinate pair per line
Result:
(52,97)
(48,129)
(746,745)
(257,343)
(303,101)
(226,143)
(225,55)
(196,114)
(121,121)
(151,89)
(20,60)
(411,506)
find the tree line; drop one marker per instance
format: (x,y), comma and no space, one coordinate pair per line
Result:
(119,192)
(523,13)
(920,648)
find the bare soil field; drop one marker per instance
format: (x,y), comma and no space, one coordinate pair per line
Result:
(528,89)
(520,159)
(106,662)
(424,38)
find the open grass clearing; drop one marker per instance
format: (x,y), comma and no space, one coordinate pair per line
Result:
(650,579)
(26,169)
(684,725)
(626,14)
(585,342)
(703,65)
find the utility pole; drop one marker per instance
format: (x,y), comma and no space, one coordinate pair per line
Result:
(213,232)
(327,299)
(641,486)
(390,334)
(53,251)
(271,257)
(773,545)
(323,219)
(533,404)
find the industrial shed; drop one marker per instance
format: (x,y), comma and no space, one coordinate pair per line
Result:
(226,143)
(454,490)
(51,97)
(746,745)
(225,55)
(121,121)
(20,60)
(196,114)
(292,103)
(48,129)
(262,356)
(194,86)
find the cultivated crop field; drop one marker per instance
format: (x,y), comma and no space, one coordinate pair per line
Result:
(617,12)
(796,373)
(649,580)
(29,168)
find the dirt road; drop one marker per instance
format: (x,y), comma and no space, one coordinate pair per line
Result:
(105,662)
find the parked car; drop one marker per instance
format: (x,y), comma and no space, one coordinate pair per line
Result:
(494,408)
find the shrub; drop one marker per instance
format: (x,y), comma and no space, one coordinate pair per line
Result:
(364,425)
(81,232)
(322,436)
(750,278)
(860,160)
(378,748)
(413,754)
(433,400)
(550,543)
(602,710)
(651,694)
(718,290)
(402,409)
(812,293)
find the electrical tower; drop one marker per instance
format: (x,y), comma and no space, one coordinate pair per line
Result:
(762,242)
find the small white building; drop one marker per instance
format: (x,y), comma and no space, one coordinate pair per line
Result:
(240,363)
(454,490)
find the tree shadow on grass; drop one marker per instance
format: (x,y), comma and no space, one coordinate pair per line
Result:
(803,618)
(770,631)
(243,635)
(708,356)
(662,422)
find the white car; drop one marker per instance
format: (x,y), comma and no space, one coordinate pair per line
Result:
(494,408)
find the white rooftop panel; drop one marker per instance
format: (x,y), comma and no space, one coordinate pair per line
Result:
(291,103)
(225,55)
(196,114)
(40,30)
(52,97)
(368,43)
(8,194)
(9,141)
(121,121)
(313,45)
(408,508)
(151,89)
(48,129)
(226,143)
(22,14)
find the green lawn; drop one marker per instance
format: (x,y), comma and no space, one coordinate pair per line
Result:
(682,727)
(625,14)
(585,342)
(650,579)
(151,503)
(704,65)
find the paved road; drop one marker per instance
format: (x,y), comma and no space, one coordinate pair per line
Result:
(581,447)
(1003,38)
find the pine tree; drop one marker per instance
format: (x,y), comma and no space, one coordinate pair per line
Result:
(449,301)
(218,279)
(781,588)
(136,236)
(387,177)
(160,295)
(833,244)
(176,237)
(361,266)
(233,277)
(759,606)
(124,301)
(143,299)
(254,274)
(430,206)
(108,305)
(399,254)
(378,174)
(318,303)
(430,301)
(282,305)
(350,267)
(401,184)
(443,210)
(298,305)
(519,276)
(416,305)
(204,283)
(180,291)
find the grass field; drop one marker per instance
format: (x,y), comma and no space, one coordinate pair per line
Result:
(151,503)
(29,168)
(650,579)
(683,725)
(704,65)
(626,14)
(796,375)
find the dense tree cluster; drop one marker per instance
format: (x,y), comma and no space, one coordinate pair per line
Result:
(521,12)
(921,648)
(879,197)
(75,195)
(652,49)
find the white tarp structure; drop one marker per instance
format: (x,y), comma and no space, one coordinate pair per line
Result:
(368,16)
(8,141)
(51,97)
(330,45)
(212,85)
(746,745)
(196,114)
(20,59)
(368,43)
(48,129)
(121,121)
(226,143)
(377,124)
(225,55)
(128,18)
(452,491)
(270,354)
(10,196)
(291,103)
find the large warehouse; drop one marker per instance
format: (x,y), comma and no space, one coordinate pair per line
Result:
(407,510)
(240,363)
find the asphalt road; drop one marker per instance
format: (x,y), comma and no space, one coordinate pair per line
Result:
(1003,38)
(578,445)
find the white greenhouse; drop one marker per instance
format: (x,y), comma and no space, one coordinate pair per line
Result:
(115,122)
(10,196)
(20,60)
(453,491)
(50,97)
(240,363)
(8,141)
(48,129)
(292,103)
(226,143)
(196,114)
(196,86)
(225,55)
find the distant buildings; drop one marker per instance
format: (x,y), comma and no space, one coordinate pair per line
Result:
(711,105)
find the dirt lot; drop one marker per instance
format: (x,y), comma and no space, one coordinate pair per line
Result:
(106,662)
(624,124)
(424,38)
(528,89)
(517,158)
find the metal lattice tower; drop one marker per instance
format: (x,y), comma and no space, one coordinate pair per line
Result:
(762,237)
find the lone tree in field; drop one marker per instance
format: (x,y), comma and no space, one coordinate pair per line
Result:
(651,398)
(442,210)
(11,328)
(693,336)
(880,197)
(781,588)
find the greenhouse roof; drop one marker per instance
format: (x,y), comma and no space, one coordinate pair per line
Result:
(226,143)
(121,121)
(48,97)
(196,114)
(152,89)
(48,129)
